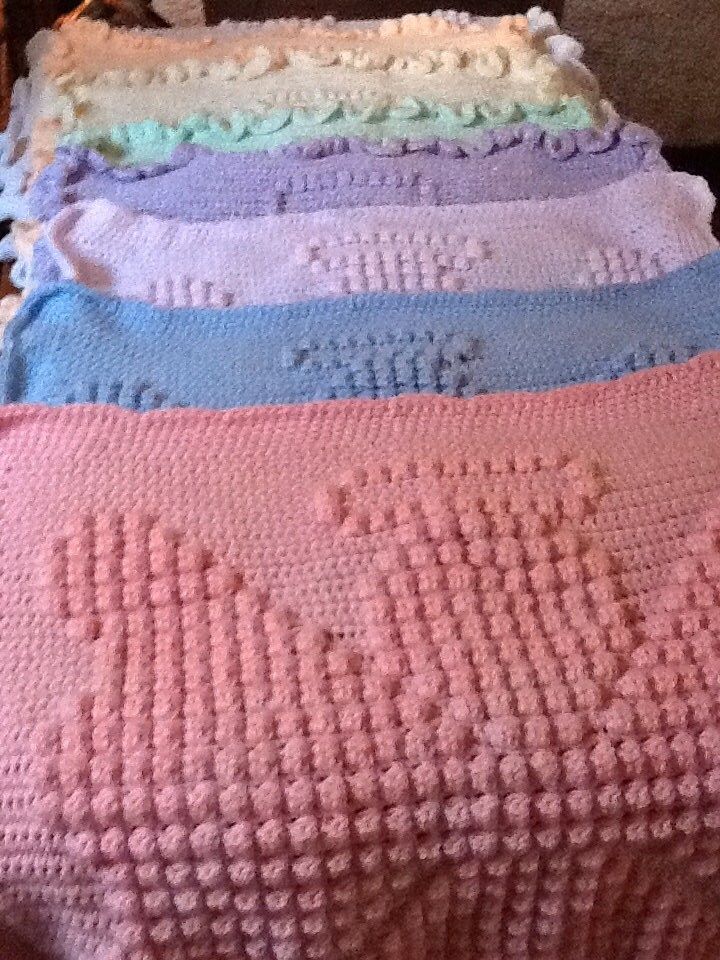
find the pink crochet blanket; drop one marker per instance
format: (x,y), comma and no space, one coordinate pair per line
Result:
(408,678)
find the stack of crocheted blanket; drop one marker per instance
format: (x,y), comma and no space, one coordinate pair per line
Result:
(360,499)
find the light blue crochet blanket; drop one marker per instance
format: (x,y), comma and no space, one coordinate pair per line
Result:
(68,344)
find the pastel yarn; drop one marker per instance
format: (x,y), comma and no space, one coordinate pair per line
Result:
(86,50)
(70,345)
(88,77)
(365,677)
(636,229)
(521,162)
(149,141)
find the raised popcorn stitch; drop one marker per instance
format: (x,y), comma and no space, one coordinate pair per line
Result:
(375,365)
(407,262)
(231,762)
(605,265)
(338,679)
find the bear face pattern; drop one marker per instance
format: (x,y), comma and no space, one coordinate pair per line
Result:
(238,780)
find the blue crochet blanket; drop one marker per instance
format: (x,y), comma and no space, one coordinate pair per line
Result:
(68,344)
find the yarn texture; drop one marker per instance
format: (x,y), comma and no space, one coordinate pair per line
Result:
(520,162)
(308,82)
(633,230)
(68,344)
(367,678)
(445,62)
(148,141)
(359,501)
(86,50)
(13,161)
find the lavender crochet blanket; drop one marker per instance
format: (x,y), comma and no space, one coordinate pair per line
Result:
(199,184)
(632,230)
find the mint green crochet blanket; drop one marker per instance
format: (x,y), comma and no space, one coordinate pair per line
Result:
(149,141)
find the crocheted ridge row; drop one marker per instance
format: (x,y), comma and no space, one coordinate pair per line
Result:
(562,145)
(493,63)
(534,81)
(427,362)
(151,141)
(447,365)
(73,163)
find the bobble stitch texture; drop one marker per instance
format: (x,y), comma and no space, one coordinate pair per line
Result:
(455,708)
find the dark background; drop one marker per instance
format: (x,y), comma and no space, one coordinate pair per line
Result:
(355,9)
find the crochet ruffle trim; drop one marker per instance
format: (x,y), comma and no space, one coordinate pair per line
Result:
(73,162)
(242,125)
(61,59)
(492,64)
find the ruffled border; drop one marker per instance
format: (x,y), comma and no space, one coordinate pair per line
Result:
(495,63)
(13,166)
(571,112)
(537,28)
(71,164)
